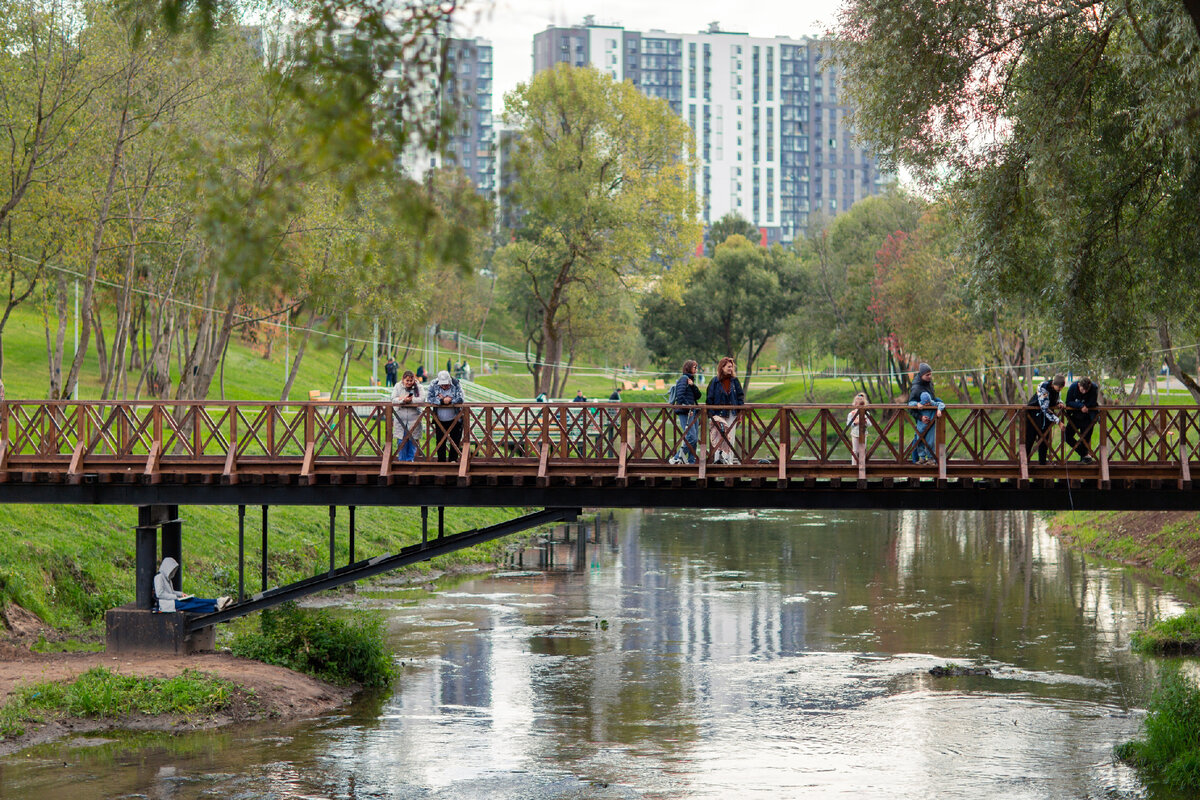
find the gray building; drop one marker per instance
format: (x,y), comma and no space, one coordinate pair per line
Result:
(771,127)
(468,85)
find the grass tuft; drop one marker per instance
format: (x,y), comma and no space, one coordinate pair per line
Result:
(315,642)
(1175,636)
(1169,753)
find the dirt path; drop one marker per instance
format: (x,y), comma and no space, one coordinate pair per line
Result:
(278,693)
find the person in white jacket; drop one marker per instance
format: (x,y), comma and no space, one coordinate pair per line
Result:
(171,600)
(406,427)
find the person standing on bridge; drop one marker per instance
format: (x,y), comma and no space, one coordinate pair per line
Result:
(925,409)
(390,370)
(1083,401)
(685,396)
(724,390)
(1037,423)
(446,394)
(407,416)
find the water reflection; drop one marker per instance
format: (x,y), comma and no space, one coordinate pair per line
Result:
(692,654)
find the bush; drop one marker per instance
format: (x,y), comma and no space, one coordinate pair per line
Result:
(1175,636)
(316,643)
(1170,751)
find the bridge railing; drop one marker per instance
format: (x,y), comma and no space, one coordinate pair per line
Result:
(232,436)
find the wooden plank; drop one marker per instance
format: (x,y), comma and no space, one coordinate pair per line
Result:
(4,450)
(1023,458)
(385,463)
(623,465)
(1105,478)
(1185,473)
(306,468)
(73,471)
(543,464)
(942,464)
(860,454)
(464,465)
(152,460)
(229,474)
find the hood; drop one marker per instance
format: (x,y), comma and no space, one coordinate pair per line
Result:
(169,565)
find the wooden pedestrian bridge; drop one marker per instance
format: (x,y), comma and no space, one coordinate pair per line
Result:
(560,457)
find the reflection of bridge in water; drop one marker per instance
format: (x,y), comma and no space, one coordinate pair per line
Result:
(563,457)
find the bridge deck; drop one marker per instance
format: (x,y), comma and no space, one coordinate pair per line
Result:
(578,454)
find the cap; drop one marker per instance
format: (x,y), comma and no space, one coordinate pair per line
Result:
(443,377)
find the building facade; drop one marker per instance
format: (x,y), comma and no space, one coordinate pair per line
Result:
(771,126)
(468,85)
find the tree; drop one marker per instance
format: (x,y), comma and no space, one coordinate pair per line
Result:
(1069,133)
(604,186)
(731,224)
(729,306)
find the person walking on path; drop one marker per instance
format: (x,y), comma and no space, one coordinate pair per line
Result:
(1083,407)
(1037,423)
(446,396)
(407,416)
(925,408)
(685,395)
(858,422)
(390,370)
(724,390)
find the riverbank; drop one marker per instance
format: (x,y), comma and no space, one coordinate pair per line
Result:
(1163,541)
(264,692)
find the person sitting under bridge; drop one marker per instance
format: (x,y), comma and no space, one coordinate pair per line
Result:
(170,599)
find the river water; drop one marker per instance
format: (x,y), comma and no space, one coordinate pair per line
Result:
(691,654)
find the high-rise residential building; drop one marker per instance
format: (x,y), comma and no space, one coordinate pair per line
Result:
(771,126)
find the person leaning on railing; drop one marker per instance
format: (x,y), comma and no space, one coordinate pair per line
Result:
(446,396)
(1083,407)
(724,390)
(407,416)
(685,395)
(1037,423)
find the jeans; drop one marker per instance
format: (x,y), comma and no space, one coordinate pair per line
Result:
(924,442)
(690,422)
(408,450)
(196,605)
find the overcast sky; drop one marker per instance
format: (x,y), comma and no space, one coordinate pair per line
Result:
(511,24)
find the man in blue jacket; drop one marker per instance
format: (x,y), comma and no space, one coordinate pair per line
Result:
(685,396)
(1083,401)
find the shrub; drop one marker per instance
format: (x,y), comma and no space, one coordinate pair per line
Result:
(1175,636)
(1170,751)
(315,642)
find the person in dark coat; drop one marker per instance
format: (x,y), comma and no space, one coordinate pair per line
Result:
(924,412)
(724,390)
(391,371)
(1037,423)
(685,396)
(1083,407)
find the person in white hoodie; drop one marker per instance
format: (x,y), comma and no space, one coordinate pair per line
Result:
(171,600)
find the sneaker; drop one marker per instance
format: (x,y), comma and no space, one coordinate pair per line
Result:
(1086,460)
(674,460)
(224,602)
(732,460)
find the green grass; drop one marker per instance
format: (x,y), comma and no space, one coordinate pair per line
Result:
(315,642)
(69,564)
(1169,752)
(1175,636)
(101,693)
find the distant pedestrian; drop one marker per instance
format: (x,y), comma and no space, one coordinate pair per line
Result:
(1083,407)
(858,421)
(925,408)
(724,390)
(446,395)
(407,416)
(685,395)
(579,398)
(390,371)
(1037,423)
(421,373)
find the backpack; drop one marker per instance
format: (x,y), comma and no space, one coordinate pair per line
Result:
(671,393)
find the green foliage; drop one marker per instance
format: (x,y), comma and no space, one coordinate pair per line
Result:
(101,693)
(732,224)
(1175,636)
(1169,752)
(315,642)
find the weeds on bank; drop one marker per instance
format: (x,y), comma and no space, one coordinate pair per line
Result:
(1169,753)
(101,693)
(1175,636)
(315,642)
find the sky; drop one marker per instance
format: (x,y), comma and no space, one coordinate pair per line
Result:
(511,24)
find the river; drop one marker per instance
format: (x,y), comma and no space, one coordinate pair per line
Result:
(702,654)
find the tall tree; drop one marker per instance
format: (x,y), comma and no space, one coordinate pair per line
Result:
(1070,132)
(603,180)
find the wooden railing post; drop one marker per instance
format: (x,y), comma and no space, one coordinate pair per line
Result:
(1102,450)
(785,442)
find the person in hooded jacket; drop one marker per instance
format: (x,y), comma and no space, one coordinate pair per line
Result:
(1083,407)
(924,411)
(1046,401)
(724,390)
(685,395)
(164,590)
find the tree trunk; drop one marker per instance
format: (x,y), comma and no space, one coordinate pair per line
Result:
(1174,366)
(300,349)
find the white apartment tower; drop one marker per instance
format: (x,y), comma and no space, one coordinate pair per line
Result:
(771,127)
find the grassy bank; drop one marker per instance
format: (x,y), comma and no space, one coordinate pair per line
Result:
(69,564)
(1167,542)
